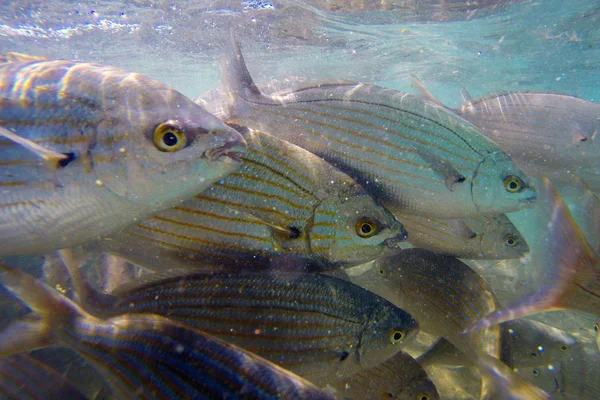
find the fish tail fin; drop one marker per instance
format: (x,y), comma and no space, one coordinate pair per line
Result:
(568,259)
(237,81)
(50,309)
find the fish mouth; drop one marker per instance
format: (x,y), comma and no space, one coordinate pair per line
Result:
(393,241)
(233,150)
(529,201)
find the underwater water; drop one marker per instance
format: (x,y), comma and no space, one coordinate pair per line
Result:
(488,47)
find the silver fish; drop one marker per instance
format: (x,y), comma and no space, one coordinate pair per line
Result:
(87,149)
(317,326)
(145,356)
(284,202)
(482,237)
(550,130)
(416,155)
(399,377)
(570,265)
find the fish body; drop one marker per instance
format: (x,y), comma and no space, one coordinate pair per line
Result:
(419,157)
(482,237)
(550,131)
(441,292)
(317,326)
(87,149)
(145,356)
(283,202)
(23,377)
(533,343)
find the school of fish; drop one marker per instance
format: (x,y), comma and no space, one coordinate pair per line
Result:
(332,240)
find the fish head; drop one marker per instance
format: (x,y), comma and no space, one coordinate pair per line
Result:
(172,149)
(500,238)
(387,331)
(499,186)
(353,229)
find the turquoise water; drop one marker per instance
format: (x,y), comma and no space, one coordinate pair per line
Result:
(513,46)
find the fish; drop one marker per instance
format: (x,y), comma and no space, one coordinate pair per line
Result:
(88,149)
(399,377)
(145,356)
(316,326)
(553,131)
(545,133)
(23,377)
(483,237)
(441,292)
(415,156)
(284,203)
(570,266)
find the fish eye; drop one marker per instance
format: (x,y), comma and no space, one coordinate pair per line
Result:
(169,137)
(564,347)
(535,372)
(511,240)
(366,227)
(382,273)
(513,184)
(596,327)
(422,397)
(396,336)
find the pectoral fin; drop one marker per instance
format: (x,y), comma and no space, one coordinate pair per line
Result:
(53,159)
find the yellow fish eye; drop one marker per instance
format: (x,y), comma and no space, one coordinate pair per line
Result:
(513,184)
(396,336)
(381,271)
(422,396)
(366,227)
(169,137)
(564,347)
(511,240)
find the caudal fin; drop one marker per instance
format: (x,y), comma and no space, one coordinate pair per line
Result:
(50,310)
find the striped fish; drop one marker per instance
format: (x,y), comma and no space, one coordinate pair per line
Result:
(283,202)
(145,356)
(442,293)
(419,157)
(87,149)
(571,269)
(317,326)
(23,377)
(483,237)
(399,377)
